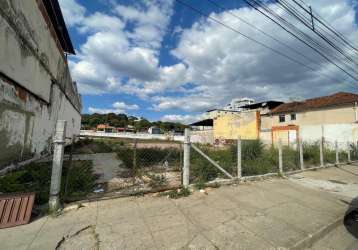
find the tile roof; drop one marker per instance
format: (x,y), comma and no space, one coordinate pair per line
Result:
(339,98)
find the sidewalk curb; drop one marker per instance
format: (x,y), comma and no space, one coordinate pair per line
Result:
(309,240)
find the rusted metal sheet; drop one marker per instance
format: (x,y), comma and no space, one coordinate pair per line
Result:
(15,209)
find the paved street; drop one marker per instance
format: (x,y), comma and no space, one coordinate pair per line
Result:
(254,215)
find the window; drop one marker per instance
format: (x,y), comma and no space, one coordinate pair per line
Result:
(281,118)
(293,117)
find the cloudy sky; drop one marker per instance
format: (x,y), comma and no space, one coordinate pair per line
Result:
(161,60)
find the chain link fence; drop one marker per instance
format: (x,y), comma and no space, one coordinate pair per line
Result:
(257,157)
(149,165)
(94,168)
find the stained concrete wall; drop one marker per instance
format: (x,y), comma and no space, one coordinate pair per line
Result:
(202,136)
(231,126)
(334,123)
(36,88)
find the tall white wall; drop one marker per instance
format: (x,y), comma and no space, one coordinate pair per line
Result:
(36,88)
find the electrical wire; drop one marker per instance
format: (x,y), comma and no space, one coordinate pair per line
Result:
(254,4)
(254,40)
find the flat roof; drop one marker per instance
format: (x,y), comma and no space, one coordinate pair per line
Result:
(206,122)
(269,104)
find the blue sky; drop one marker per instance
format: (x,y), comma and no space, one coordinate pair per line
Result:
(160,60)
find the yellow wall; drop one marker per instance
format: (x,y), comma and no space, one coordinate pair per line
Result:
(231,126)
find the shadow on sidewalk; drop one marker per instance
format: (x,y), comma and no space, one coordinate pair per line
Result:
(351,218)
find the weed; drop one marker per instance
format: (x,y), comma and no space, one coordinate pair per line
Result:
(176,194)
(36,177)
(200,184)
(157,180)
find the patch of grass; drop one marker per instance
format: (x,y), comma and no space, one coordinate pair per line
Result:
(311,154)
(92,146)
(36,177)
(157,180)
(179,193)
(200,184)
(354,151)
(148,157)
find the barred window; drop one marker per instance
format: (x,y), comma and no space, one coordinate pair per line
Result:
(281,118)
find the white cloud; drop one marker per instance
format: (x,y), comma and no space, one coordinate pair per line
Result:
(227,65)
(122,49)
(117,108)
(121,54)
(187,103)
(72,11)
(93,110)
(185,119)
(122,105)
(100,22)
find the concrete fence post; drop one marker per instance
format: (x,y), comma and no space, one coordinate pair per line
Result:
(321,152)
(239,162)
(280,164)
(349,152)
(135,169)
(59,145)
(337,152)
(186,160)
(300,146)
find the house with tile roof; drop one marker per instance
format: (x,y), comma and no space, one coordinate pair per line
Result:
(334,117)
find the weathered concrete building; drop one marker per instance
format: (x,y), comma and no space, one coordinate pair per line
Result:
(334,117)
(36,88)
(229,125)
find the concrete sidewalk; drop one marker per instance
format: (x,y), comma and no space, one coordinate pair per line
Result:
(255,215)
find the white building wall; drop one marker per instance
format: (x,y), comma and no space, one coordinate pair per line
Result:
(36,88)
(331,132)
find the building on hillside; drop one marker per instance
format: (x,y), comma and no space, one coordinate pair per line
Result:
(154,130)
(106,128)
(36,88)
(335,117)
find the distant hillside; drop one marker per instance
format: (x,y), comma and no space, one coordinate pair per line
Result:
(90,121)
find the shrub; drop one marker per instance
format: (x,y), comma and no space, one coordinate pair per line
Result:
(148,157)
(311,153)
(290,158)
(36,177)
(202,170)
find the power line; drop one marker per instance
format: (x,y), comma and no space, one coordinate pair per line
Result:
(252,39)
(293,11)
(260,30)
(296,36)
(347,60)
(324,23)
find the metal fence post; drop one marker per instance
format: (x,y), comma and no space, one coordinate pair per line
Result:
(337,153)
(349,152)
(239,167)
(280,164)
(301,153)
(186,161)
(59,145)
